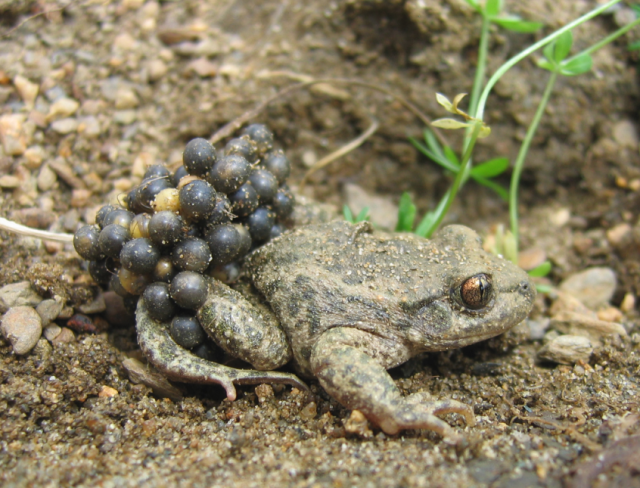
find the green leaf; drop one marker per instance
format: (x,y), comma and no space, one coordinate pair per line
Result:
(491,168)
(543,288)
(548,51)
(406,213)
(363,215)
(502,192)
(546,64)
(441,160)
(577,66)
(634,46)
(348,215)
(424,227)
(516,24)
(492,7)
(634,7)
(562,46)
(432,141)
(451,156)
(542,270)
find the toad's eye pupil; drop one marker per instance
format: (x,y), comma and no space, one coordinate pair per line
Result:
(476,292)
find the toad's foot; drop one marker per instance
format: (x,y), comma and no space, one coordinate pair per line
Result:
(179,364)
(345,362)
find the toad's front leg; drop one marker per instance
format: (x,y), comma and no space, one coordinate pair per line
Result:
(345,362)
(261,336)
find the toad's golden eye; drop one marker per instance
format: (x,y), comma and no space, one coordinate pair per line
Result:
(476,292)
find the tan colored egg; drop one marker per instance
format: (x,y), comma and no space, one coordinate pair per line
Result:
(167,199)
(139,226)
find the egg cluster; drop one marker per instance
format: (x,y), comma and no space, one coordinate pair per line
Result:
(201,220)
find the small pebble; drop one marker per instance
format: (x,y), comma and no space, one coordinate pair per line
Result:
(610,314)
(18,294)
(9,182)
(619,235)
(52,331)
(22,327)
(64,337)
(264,392)
(566,349)
(156,69)
(46,178)
(12,134)
(594,287)
(98,305)
(628,303)
(144,374)
(202,67)
(125,117)
(309,411)
(126,98)
(357,424)
(531,258)
(49,310)
(28,91)
(107,392)
(89,126)
(65,126)
(62,108)
(80,197)
(624,133)
(34,156)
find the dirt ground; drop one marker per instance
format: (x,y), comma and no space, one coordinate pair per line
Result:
(149,76)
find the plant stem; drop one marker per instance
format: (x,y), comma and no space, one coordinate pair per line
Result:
(541,43)
(522,154)
(481,68)
(459,179)
(606,40)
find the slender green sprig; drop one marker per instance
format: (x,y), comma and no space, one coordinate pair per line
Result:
(349,217)
(491,11)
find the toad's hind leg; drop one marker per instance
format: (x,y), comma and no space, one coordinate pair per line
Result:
(358,381)
(179,364)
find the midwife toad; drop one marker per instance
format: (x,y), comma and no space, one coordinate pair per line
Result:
(346,304)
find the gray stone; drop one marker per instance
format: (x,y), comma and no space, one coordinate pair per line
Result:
(49,310)
(18,294)
(22,327)
(98,305)
(594,287)
(566,349)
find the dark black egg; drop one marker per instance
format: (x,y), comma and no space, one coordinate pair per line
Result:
(229,173)
(158,302)
(140,256)
(112,239)
(189,289)
(261,135)
(165,228)
(85,241)
(260,223)
(265,184)
(244,201)
(197,200)
(278,164)
(242,147)
(191,254)
(198,157)
(186,331)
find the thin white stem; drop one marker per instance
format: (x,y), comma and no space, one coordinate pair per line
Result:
(28,231)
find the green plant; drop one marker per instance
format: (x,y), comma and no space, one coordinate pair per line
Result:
(348,215)
(556,49)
